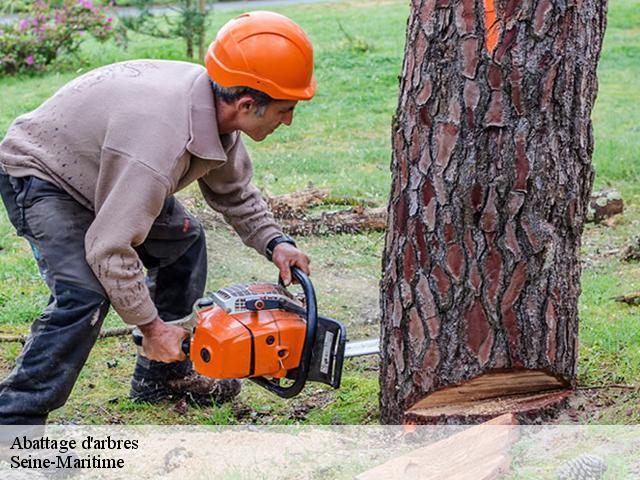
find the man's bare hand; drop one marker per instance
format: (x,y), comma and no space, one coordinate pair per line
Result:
(286,256)
(162,342)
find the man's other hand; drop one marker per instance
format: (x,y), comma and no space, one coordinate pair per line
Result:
(286,256)
(162,342)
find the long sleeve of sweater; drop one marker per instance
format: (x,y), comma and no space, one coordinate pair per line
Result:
(125,211)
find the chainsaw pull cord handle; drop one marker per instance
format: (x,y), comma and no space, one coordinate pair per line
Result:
(302,372)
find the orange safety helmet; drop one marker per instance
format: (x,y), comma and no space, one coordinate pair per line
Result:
(265,51)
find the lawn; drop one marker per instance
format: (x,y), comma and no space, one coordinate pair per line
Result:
(341,141)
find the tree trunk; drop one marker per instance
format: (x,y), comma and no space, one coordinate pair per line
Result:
(202,10)
(492,146)
(189,35)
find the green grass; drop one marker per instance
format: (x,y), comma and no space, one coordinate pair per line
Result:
(541,452)
(341,141)
(616,117)
(609,333)
(22,293)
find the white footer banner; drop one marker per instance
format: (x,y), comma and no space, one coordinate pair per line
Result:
(321,452)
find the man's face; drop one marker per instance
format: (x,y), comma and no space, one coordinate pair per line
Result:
(276,113)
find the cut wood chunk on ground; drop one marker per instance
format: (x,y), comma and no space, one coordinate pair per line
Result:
(482,452)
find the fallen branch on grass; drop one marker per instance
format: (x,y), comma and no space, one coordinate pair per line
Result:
(13,338)
(355,220)
(629,298)
(612,385)
(294,204)
(290,211)
(632,251)
(116,332)
(111,332)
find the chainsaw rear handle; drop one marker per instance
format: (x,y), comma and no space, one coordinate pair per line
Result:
(302,372)
(137,339)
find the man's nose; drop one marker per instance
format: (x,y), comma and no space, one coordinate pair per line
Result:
(287,118)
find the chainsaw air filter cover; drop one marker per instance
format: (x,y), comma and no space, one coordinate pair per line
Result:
(248,330)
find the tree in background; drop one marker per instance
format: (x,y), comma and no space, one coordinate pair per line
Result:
(492,145)
(189,24)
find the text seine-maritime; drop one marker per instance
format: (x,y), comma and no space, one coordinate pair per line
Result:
(46,453)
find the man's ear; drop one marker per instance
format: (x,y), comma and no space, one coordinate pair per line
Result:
(245,104)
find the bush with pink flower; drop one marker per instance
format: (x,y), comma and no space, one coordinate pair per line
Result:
(45,33)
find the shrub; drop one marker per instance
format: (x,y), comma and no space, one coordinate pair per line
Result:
(37,39)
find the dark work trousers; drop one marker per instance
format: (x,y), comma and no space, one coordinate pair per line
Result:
(55,225)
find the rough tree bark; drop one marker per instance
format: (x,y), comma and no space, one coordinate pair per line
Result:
(492,145)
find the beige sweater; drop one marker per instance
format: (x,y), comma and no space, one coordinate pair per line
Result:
(120,140)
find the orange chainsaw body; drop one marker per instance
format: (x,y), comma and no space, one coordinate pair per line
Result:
(263,332)
(246,344)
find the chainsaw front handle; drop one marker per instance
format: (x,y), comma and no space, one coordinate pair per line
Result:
(302,372)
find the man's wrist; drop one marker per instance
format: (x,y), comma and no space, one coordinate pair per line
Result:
(274,242)
(149,328)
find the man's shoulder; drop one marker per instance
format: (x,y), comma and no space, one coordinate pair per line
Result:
(138,66)
(148,75)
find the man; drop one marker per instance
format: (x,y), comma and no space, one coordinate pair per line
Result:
(89,177)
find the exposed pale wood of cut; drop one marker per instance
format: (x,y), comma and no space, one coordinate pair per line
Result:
(482,452)
(493,385)
(525,393)
(472,411)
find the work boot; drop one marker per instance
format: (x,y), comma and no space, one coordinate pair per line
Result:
(154,382)
(203,390)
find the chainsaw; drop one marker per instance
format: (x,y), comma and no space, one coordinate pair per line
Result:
(263,332)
